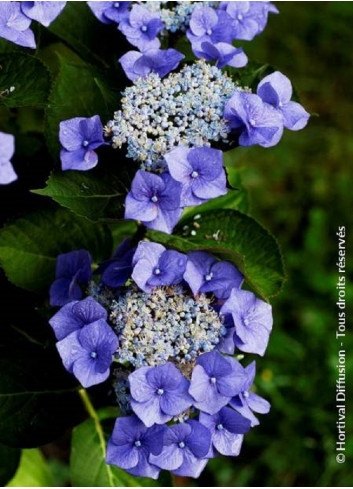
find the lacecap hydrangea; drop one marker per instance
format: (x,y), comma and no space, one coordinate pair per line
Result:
(200,105)
(167,331)
(175,16)
(211,27)
(170,125)
(175,120)
(185,108)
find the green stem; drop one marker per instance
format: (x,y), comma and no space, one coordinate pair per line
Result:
(88,404)
(93,414)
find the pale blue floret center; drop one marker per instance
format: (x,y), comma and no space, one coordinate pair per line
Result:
(160,392)
(153,328)
(182,108)
(137,443)
(181,444)
(93,354)
(220,427)
(194,174)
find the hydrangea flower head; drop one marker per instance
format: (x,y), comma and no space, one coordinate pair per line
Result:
(255,121)
(14,25)
(169,370)
(88,352)
(246,401)
(79,138)
(7,149)
(252,321)
(200,171)
(158,393)
(110,12)
(154,200)
(141,28)
(214,380)
(185,449)
(184,108)
(75,315)
(276,90)
(155,266)
(162,62)
(206,274)
(227,428)
(132,445)
(43,12)
(73,269)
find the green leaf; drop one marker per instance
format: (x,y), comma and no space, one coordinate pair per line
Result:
(87,194)
(27,76)
(183,45)
(29,246)
(88,451)
(10,47)
(88,467)
(235,199)
(237,238)
(60,472)
(97,43)
(9,460)
(38,398)
(80,90)
(123,230)
(33,471)
(251,74)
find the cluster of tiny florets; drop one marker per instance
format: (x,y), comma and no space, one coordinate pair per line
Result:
(176,17)
(183,108)
(166,325)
